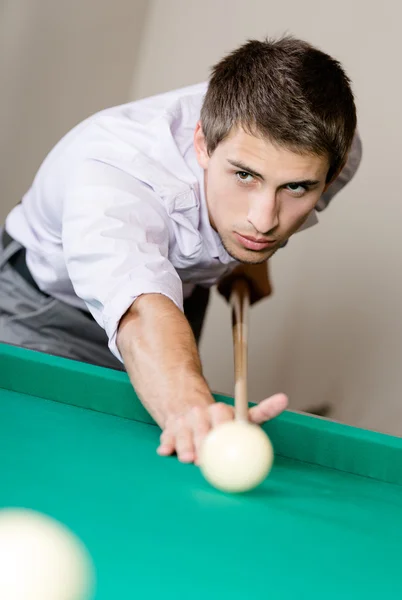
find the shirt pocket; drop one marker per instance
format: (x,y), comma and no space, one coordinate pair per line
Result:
(181,203)
(184,213)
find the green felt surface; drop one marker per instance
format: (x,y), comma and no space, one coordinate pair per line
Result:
(156,529)
(302,437)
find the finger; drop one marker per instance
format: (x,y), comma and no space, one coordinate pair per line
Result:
(167,443)
(268,408)
(220,413)
(185,443)
(201,425)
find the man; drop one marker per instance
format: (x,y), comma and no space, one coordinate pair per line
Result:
(147,203)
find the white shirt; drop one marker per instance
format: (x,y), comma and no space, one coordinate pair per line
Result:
(117,209)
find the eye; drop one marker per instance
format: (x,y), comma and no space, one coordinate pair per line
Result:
(297,189)
(244,177)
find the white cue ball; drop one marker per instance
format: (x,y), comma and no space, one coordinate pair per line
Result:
(236,456)
(40,559)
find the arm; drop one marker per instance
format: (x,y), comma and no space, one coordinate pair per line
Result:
(161,357)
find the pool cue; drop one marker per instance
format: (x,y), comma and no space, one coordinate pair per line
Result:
(240,300)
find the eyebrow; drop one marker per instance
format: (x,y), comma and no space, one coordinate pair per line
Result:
(243,167)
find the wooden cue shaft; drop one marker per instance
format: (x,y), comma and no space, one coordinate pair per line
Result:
(239,300)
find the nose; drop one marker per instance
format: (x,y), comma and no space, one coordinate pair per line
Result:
(263,213)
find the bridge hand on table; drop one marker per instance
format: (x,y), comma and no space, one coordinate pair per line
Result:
(184,433)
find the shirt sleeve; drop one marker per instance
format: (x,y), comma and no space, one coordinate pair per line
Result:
(115,237)
(346,175)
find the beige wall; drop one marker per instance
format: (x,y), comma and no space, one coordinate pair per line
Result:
(333,331)
(59,62)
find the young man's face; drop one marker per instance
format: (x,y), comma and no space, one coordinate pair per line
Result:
(258,194)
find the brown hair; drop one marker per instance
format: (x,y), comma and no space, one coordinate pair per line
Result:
(287,91)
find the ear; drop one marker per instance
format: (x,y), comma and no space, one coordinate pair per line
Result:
(200,146)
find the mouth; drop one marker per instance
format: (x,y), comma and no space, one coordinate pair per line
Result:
(253,243)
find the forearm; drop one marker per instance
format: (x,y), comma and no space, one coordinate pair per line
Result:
(161,357)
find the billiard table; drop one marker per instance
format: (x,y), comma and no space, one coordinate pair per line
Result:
(76,444)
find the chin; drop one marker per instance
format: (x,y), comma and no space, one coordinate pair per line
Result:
(255,258)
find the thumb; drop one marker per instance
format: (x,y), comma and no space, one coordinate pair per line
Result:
(268,409)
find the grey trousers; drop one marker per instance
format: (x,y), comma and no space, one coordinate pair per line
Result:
(31,319)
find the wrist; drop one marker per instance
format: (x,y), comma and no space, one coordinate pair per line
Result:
(194,394)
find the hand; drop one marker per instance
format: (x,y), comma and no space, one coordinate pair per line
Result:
(257,277)
(185,433)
